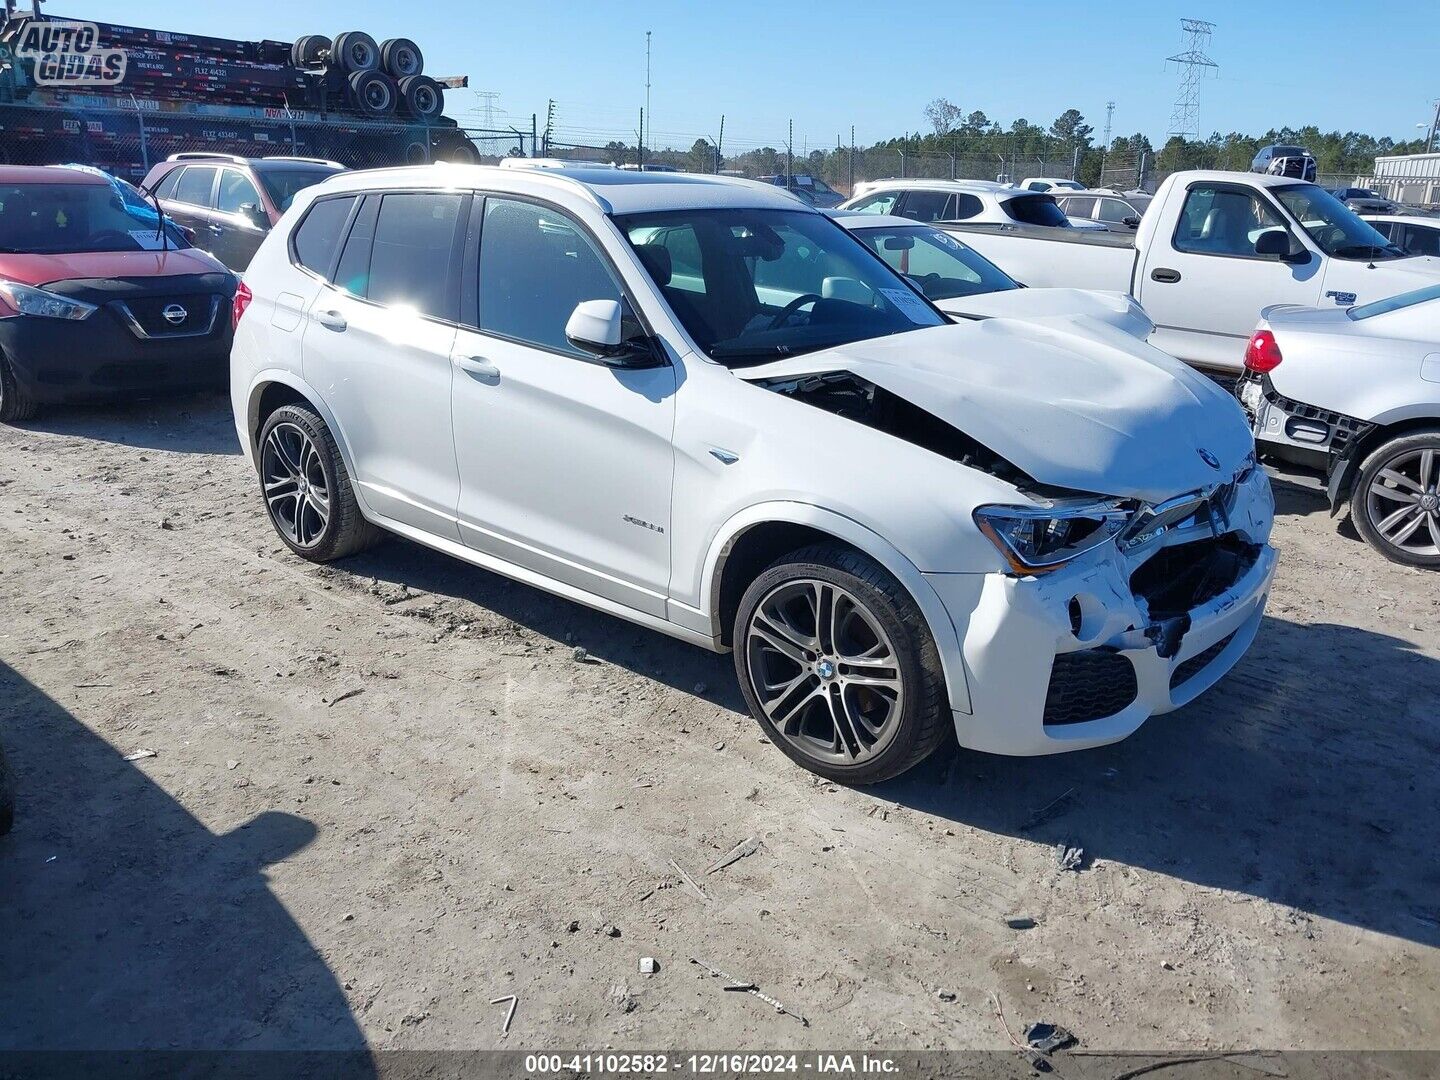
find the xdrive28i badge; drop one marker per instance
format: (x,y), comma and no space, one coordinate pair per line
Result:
(1209,458)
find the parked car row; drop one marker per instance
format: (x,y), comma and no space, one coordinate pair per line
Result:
(614,385)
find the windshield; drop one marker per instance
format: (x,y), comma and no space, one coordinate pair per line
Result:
(1395,303)
(1333,225)
(1036,209)
(935,262)
(283,184)
(756,285)
(65,219)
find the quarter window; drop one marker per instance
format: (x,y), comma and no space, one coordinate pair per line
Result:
(318,235)
(966,207)
(1223,221)
(410,258)
(195,186)
(536,265)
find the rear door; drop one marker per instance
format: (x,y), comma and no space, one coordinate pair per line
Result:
(191,202)
(1204,285)
(239,218)
(378,338)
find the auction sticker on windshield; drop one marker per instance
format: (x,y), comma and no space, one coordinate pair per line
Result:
(908,303)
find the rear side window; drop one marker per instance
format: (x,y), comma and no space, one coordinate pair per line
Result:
(411,254)
(1078,207)
(1422,241)
(1035,210)
(924,205)
(195,186)
(535,265)
(318,236)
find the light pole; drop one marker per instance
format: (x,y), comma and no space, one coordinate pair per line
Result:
(647,83)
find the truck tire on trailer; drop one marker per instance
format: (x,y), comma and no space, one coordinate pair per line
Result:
(417,153)
(422,97)
(309,51)
(355,51)
(460,151)
(373,93)
(401,57)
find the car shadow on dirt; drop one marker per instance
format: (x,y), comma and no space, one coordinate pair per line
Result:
(197,423)
(129,925)
(1285,782)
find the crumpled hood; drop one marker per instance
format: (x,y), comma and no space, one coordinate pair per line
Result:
(1084,407)
(41,270)
(1114,308)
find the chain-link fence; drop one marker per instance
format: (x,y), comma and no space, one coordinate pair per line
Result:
(127,142)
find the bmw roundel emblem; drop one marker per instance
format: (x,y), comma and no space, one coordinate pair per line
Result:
(175,314)
(1209,458)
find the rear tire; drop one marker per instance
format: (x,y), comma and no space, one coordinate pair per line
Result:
(837,665)
(307,489)
(1395,504)
(15,404)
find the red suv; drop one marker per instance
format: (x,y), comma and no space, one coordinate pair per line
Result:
(97,299)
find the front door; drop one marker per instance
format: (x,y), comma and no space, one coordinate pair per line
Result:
(240,216)
(565,463)
(377,347)
(1205,290)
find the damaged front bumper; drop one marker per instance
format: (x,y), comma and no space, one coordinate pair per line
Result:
(1083,655)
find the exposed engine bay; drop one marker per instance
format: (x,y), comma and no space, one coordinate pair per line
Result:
(854,398)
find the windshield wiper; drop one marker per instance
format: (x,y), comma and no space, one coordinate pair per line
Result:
(1367,251)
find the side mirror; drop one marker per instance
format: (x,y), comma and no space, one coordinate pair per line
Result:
(1131,222)
(1275,243)
(255,214)
(598,327)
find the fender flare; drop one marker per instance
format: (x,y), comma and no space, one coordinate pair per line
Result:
(863,539)
(288,378)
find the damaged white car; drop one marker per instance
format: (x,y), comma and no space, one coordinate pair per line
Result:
(693,404)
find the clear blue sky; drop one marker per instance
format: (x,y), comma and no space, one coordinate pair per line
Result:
(829,65)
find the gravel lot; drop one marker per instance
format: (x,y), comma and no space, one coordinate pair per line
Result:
(386,792)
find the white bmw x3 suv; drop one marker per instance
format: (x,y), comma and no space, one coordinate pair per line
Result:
(702,407)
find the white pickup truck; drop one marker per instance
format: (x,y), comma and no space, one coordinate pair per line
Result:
(1212,250)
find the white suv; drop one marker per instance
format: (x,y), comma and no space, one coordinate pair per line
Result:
(975,202)
(698,405)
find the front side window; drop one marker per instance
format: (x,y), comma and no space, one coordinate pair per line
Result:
(775,283)
(195,186)
(66,219)
(1223,221)
(410,256)
(536,266)
(1035,210)
(939,265)
(1333,226)
(1115,211)
(317,237)
(1422,241)
(236,191)
(883,203)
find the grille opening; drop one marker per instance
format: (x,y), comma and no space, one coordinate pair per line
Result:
(1089,685)
(1180,578)
(1187,670)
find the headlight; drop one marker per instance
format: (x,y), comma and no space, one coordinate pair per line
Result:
(47,305)
(1037,539)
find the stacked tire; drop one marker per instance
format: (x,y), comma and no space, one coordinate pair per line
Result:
(379,79)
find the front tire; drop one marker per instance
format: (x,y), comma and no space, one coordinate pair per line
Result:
(307,488)
(1396,501)
(837,665)
(15,404)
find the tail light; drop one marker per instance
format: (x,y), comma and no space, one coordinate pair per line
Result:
(1262,354)
(243,297)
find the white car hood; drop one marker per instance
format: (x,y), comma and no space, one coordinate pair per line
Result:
(1114,308)
(1090,410)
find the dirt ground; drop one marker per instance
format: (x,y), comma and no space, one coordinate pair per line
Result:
(386,792)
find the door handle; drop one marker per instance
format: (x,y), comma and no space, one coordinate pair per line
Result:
(331,320)
(476,365)
(1165,275)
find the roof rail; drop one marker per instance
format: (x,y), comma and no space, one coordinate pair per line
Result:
(204,155)
(307,160)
